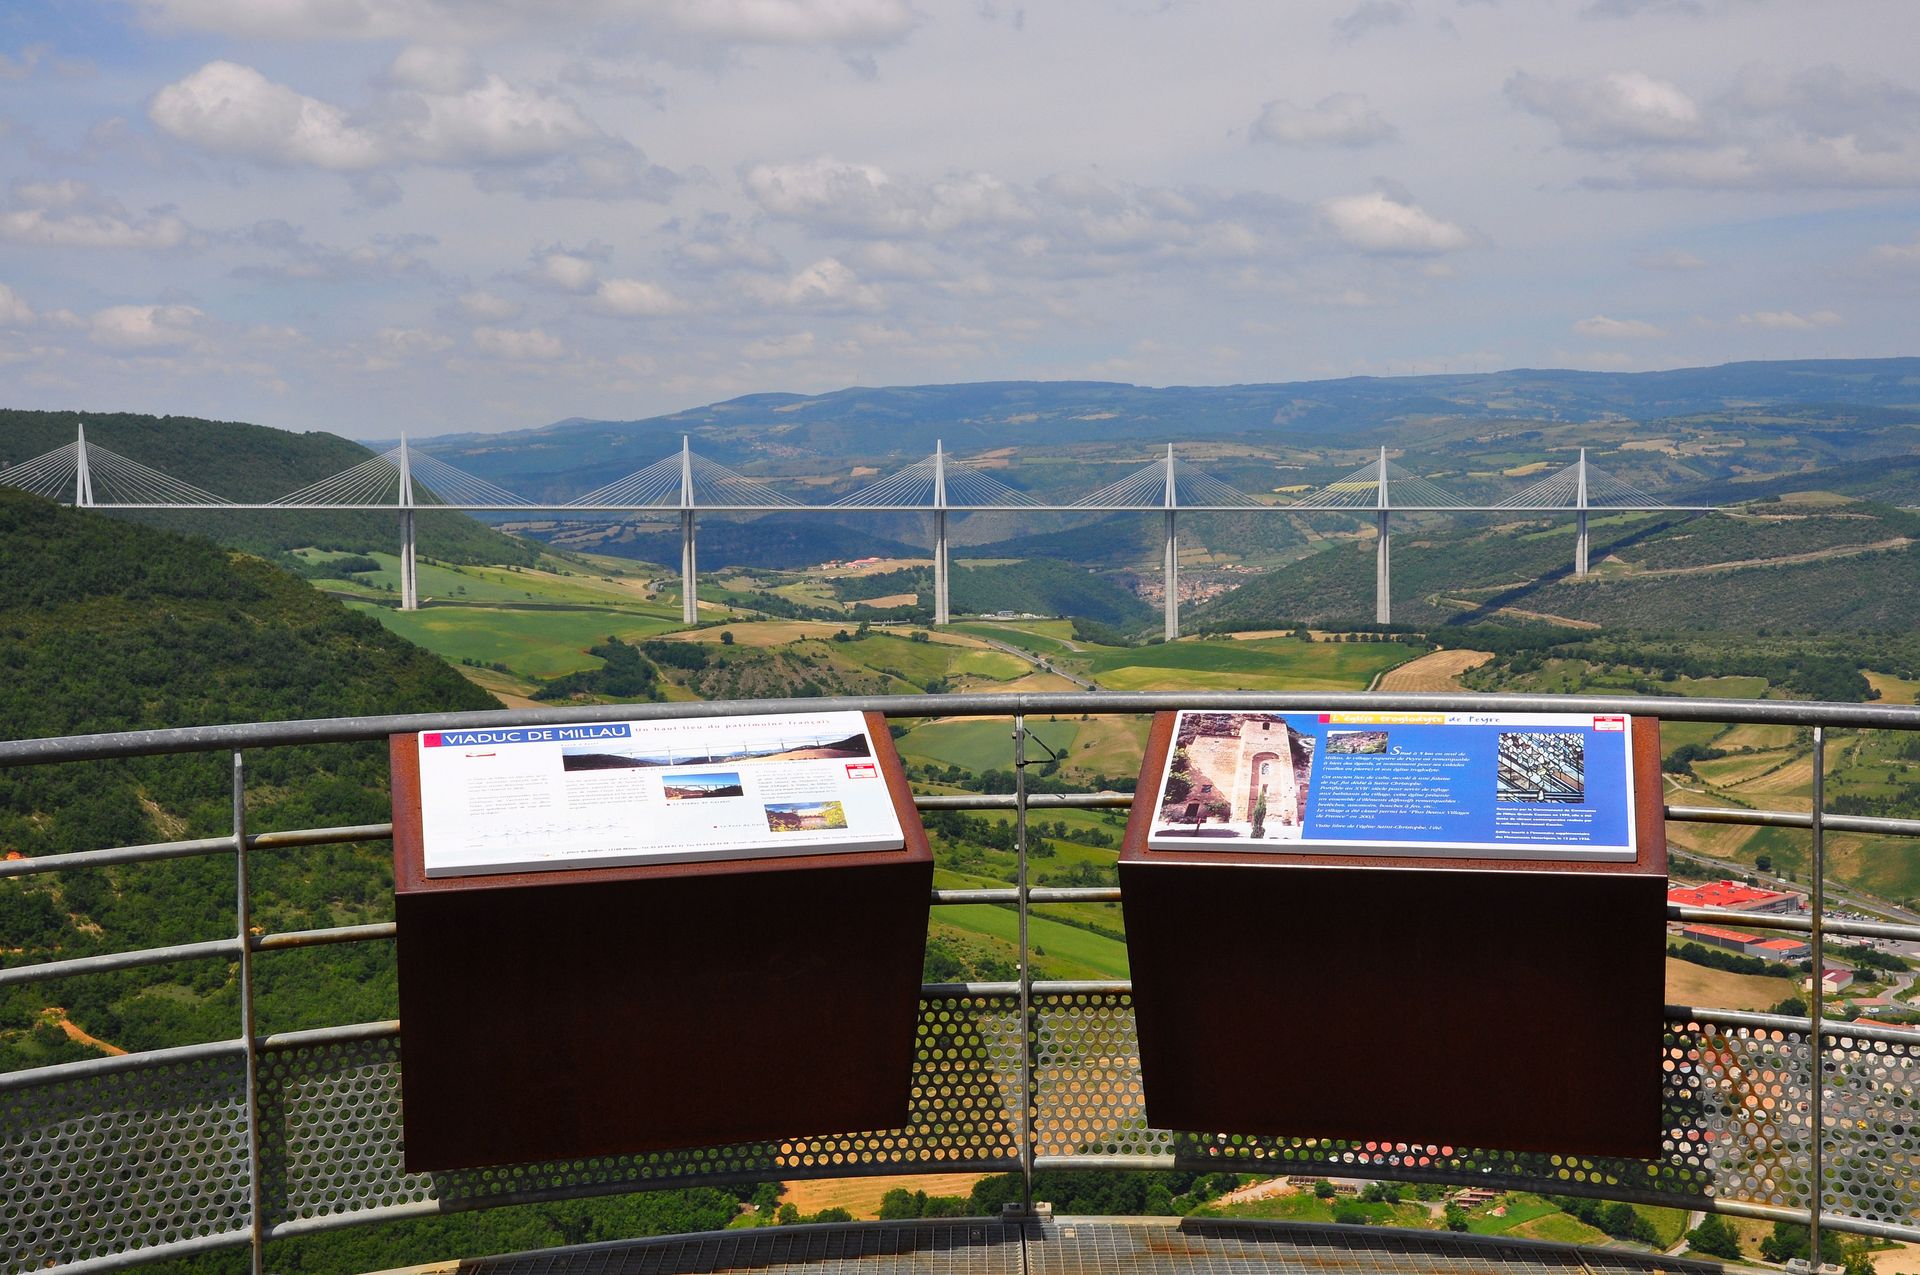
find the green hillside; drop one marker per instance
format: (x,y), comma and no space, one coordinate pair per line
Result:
(1834,566)
(251,464)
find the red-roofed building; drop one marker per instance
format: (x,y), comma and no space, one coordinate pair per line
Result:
(1769,949)
(1734,896)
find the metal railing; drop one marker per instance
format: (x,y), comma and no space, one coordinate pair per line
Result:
(173,1152)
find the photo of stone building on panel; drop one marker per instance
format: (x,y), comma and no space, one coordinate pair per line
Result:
(1236,775)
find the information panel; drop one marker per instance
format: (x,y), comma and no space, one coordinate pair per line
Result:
(608,794)
(1468,785)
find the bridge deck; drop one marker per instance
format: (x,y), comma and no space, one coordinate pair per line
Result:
(1070,1246)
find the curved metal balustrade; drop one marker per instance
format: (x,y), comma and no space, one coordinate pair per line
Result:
(108,1162)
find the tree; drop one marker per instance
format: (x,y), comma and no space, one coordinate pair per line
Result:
(1715,1238)
(1789,1241)
(1323,1189)
(726,637)
(1456,1217)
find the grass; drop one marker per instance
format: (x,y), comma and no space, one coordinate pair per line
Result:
(1893,690)
(975,744)
(536,644)
(1060,951)
(1266,664)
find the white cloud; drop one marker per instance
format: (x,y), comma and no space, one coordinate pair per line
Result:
(519,345)
(726,252)
(865,199)
(1601,328)
(563,272)
(1670,259)
(229,109)
(635,298)
(303,261)
(433,68)
(840,23)
(794,345)
(827,284)
(1343,119)
(844,24)
(487,308)
(404,347)
(1789,321)
(146,327)
(438,109)
(1624,108)
(1377,223)
(1898,254)
(14,312)
(72,214)
(1372,15)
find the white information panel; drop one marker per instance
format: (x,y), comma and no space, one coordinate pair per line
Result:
(610,794)
(1474,785)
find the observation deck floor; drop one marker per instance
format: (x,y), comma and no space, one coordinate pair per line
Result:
(1071,1246)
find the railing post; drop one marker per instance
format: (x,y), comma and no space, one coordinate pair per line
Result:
(1023,888)
(1816,1049)
(243,909)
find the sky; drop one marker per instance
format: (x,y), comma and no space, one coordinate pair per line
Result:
(429,216)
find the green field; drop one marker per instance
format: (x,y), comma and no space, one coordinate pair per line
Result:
(1267,664)
(534,644)
(1059,951)
(1095,746)
(493,584)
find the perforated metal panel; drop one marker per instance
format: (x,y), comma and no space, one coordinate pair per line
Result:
(148,1155)
(1736,1124)
(131,1159)
(332,1128)
(1087,1092)
(1872,1103)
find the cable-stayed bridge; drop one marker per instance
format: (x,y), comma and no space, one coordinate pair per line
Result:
(404,480)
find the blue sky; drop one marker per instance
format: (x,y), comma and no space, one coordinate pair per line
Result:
(372,216)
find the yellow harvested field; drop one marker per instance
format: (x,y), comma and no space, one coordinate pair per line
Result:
(1790,786)
(1901,1259)
(1697,985)
(861,1196)
(1523,471)
(1435,671)
(893,600)
(502,686)
(1754,735)
(1893,690)
(885,564)
(1732,772)
(1716,840)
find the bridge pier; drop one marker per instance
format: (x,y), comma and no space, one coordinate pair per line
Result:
(409,575)
(1170,568)
(942,604)
(689,595)
(1382,590)
(1580,529)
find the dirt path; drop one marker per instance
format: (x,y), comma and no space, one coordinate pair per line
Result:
(1812,555)
(1434,671)
(78,1035)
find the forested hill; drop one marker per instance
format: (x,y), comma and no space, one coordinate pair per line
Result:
(105,625)
(252,464)
(1827,564)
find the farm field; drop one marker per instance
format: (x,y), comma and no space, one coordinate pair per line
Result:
(1690,984)
(1059,951)
(1268,664)
(530,643)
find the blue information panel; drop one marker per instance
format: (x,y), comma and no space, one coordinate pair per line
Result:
(1472,785)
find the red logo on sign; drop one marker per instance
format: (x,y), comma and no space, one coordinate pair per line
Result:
(862,770)
(1609,723)
(430,741)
